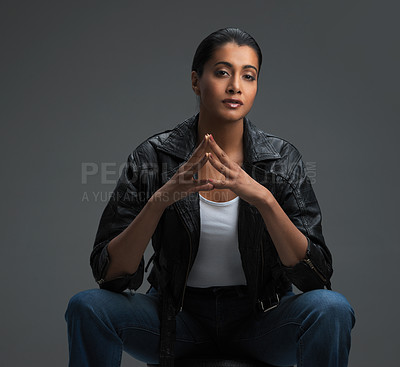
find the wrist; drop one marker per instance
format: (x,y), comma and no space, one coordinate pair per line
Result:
(265,199)
(159,201)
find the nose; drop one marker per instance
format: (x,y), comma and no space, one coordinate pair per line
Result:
(234,86)
(234,91)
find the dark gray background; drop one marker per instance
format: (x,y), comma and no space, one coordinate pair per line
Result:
(84,82)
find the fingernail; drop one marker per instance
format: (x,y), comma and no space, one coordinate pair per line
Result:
(211,137)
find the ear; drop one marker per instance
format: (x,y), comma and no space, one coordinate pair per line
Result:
(195,83)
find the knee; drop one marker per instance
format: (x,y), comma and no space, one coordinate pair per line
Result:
(81,303)
(333,307)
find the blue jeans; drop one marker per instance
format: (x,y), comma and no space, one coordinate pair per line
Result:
(311,329)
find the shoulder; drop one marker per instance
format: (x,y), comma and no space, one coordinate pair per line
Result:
(286,149)
(285,153)
(149,148)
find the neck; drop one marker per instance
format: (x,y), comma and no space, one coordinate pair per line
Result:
(227,134)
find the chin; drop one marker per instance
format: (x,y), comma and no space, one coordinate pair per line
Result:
(227,115)
(234,116)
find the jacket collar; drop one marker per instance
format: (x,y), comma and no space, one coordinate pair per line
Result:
(181,141)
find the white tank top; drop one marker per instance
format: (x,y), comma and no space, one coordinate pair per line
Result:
(218,261)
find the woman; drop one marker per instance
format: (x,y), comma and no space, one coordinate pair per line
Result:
(234,222)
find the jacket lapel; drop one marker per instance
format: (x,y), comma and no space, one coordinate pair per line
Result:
(181,141)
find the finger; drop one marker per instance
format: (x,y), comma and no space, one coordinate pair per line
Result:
(219,153)
(201,149)
(197,154)
(202,185)
(219,184)
(194,167)
(219,166)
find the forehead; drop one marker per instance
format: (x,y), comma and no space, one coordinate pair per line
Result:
(234,54)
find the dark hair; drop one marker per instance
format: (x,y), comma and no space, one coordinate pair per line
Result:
(217,39)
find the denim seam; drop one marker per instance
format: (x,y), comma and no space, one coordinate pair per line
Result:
(293,322)
(157,333)
(103,325)
(151,331)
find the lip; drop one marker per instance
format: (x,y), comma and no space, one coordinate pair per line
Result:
(233,101)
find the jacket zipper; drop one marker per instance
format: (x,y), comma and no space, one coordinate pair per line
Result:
(311,265)
(262,263)
(190,256)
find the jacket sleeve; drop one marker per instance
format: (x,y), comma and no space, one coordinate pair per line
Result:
(125,203)
(300,204)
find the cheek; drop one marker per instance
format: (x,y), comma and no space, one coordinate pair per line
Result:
(209,92)
(251,98)
(253,93)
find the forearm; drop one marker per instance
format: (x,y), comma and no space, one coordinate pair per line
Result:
(127,249)
(289,242)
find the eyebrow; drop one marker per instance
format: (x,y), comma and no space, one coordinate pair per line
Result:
(230,65)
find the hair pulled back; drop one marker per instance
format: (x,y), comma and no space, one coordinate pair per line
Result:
(206,48)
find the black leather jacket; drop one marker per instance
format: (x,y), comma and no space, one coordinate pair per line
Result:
(271,161)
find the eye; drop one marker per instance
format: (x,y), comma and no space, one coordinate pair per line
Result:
(221,73)
(249,77)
